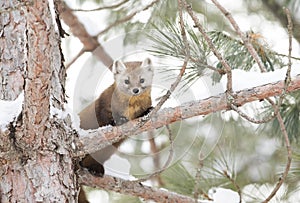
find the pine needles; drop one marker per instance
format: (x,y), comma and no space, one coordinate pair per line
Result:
(168,43)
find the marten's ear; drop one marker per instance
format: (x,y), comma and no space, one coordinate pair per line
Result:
(118,67)
(147,63)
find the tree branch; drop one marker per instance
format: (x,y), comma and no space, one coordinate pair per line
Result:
(127,18)
(103,7)
(89,42)
(97,139)
(130,188)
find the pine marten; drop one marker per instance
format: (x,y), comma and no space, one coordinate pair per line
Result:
(129,97)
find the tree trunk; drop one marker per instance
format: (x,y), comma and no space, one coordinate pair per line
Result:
(36,154)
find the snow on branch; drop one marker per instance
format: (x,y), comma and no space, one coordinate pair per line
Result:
(98,139)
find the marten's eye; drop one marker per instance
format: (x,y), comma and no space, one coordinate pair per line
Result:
(142,80)
(126,82)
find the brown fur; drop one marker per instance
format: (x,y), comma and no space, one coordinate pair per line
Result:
(113,107)
(113,104)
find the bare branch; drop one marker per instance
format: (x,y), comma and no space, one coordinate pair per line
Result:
(89,42)
(290,32)
(97,139)
(289,159)
(130,188)
(156,155)
(197,188)
(80,53)
(102,8)
(126,18)
(284,55)
(253,120)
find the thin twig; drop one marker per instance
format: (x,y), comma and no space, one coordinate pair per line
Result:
(126,18)
(197,179)
(80,53)
(248,45)
(156,155)
(218,70)
(284,55)
(290,32)
(237,187)
(279,117)
(170,157)
(287,79)
(289,161)
(197,189)
(211,46)
(103,7)
(253,120)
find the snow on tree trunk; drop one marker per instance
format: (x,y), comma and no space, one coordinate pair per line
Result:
(35,151)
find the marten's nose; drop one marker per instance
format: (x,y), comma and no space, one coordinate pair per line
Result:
(135,90)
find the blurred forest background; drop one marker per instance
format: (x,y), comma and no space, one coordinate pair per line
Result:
(221,150)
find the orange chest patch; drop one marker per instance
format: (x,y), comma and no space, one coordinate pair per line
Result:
(137,106)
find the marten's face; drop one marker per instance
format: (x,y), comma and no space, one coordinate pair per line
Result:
(133,78)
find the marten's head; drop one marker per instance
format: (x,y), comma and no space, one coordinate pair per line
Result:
(133,78)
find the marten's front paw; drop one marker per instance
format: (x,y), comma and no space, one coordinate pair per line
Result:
(93,166)
(96,170)
(145,113)
(121,120)
(149,110)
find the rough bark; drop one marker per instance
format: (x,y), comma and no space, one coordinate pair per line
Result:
(103,137)
(37,161)
(12,49)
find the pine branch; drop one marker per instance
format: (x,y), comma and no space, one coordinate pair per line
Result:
(130,188)
(98,139)
(247,44)
(211,46)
